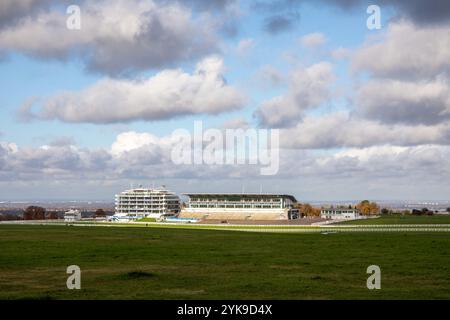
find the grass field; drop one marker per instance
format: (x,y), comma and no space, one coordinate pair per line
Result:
(402,219)
(157,263)
(146,220)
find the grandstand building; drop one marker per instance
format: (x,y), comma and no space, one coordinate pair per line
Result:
(339,213)
(208,206)
(146,203)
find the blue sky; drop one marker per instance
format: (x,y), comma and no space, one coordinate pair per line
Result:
(336,95)
(23,77)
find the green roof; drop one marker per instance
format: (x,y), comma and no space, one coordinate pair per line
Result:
(240,195)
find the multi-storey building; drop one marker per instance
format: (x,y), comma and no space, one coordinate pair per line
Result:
(72,215)
(146,203)
(240,206)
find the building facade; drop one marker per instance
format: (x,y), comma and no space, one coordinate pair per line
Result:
(339,213)
(72,215)
(240,206)
(146,203)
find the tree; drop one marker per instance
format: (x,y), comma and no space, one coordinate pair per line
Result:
(99,213)
(53,215)
(9,217)
(34,213)
(368,208)
(306,210)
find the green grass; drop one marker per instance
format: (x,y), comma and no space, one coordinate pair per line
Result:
(402,219)
(158,263)
(146,220)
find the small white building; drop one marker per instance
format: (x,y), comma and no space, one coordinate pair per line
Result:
(72,215)
(339,213)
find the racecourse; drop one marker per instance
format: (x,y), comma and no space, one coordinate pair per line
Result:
(136,261)
(346,227)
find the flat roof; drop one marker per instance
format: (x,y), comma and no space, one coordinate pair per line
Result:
(241,195)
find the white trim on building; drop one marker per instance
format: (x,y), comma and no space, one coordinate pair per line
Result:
(146,203)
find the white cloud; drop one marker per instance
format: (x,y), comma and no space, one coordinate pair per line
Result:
(269,76)
(394,101)
(8,147)
(395,161)
(168,94)
(410,75)
(131,140)
(313,40)
(406,51)
(341,129)
(116,36)
(355,168)
(236,123)
(245,46)
(308,89)
(341,53)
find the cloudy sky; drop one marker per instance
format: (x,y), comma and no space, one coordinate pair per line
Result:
(362,113)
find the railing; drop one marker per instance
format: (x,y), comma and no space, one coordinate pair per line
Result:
(275,228)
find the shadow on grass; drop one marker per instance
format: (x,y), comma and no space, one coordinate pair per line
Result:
(134,275)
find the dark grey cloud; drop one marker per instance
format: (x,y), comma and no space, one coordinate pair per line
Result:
(116,37)
(279,16)
(62,142)
(207,4)
(156,45)
(281,22)
(13,10)
(418,11)
(422,11)
(393,101)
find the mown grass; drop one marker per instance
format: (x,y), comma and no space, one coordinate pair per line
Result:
(402,219)
(157,263)
(146,220)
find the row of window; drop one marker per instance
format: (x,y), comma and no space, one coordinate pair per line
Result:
(143,211)
(146,197)
(234,200)
(147,203)
(249,206)
(338,212)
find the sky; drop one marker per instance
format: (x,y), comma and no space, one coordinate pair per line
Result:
(91,97)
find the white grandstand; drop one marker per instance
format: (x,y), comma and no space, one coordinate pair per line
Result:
(146,203)
(240,207)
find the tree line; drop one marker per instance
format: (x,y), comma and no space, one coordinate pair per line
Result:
(39,213)
(365,207)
